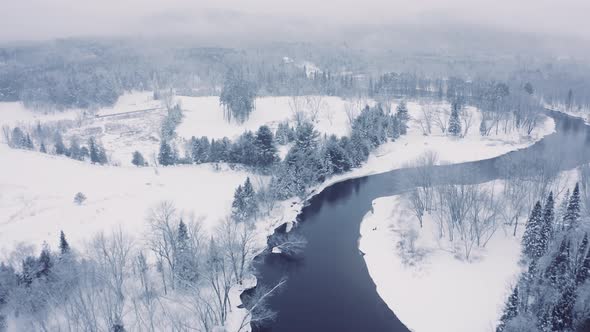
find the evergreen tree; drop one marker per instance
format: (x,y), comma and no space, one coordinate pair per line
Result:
(28,144)
(562,315)
(238,205)
(546,232)
(265,148)
(60,148)
(572,215)
(558,271)
(335,157)
(96,151)
(42,148)
(45,262)
(237,96)
(166,155)
(306,138)
(403,116)
(510,310)
(18,138)
(249,199)
(93,148)
(454,121)
(138,159)
(563,208)
(75,150)
(532,233)
(200,150)
(64,246)
(583,271)
(184,265)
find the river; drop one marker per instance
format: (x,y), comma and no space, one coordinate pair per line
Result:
(329,288)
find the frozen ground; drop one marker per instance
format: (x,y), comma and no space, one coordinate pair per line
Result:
(473,146)
(37,190)
(453,294)
(457,295)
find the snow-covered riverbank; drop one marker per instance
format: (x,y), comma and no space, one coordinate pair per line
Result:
(37,190)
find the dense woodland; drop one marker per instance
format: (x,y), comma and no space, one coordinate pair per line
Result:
(94,73)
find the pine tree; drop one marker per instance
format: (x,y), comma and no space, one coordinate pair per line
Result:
(559,269)
(265,148)
(93,148)
(510,310)
(306,138)
(42,148)
(166,155)
(532,234)
(572,214)
(237,206)
(562,315)
(60,148)
(138,159)
(403,116)
(454,121)
(28,144)
(184,268)
(250,203)
(45,262)
(546,233)
(64,246)
(563,208)
(583,272)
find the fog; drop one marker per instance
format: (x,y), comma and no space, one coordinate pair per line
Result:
(268,19)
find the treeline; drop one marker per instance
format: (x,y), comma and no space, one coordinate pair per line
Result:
(91,74)
(554,293)
(309,161)
(49,140)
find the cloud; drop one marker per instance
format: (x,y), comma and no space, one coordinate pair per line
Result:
(44,19)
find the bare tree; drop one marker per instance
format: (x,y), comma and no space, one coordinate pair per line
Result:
(162,239)
(297,106)
(112,256)
(467,119)
(314,105)
(441,119)
(239,244)
(258,309)
(289,244)
(427,119)
(417,204)
(218,275)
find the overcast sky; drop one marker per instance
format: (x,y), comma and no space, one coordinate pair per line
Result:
(46,19)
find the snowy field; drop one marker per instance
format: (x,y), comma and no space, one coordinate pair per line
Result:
(461,296)
(37,190)
(438,274)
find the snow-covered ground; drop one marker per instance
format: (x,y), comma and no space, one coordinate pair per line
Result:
(472,147)
(582,113)
(204,115)
(37,190)
(436,281)
(453,294)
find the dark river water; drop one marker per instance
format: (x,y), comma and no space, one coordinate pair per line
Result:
(329,288)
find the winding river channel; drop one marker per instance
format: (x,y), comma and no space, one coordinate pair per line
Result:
(330,289)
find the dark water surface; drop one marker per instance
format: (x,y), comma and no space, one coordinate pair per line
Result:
(330,289)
